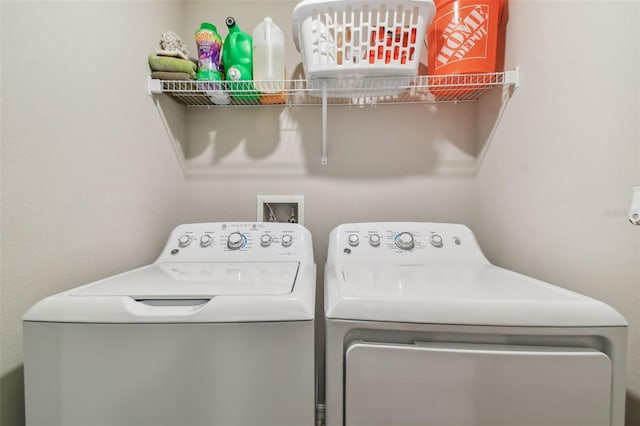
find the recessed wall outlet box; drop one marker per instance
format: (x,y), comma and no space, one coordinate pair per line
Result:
(280,208)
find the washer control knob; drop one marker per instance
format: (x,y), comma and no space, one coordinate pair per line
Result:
(206,240)
(405,241)
(265,240)
(287,240)
(436,240)
(374,240)
(184,240)
(235,241)
(354,240)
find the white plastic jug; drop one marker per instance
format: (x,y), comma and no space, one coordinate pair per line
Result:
(268,57)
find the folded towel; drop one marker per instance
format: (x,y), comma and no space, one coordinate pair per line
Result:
(167,75)
(167,63)
(172,41)
(173,53)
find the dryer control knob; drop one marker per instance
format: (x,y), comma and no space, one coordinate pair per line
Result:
(404,241)
(287,240)
(374,240)
(436,240)
(206,240)
(353,240)
(235,241)
(265,240)
(184,240)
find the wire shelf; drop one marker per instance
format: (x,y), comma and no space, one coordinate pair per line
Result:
(366,91)
(336,91)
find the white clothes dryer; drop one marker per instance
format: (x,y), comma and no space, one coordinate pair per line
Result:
(422,330)
(218,331)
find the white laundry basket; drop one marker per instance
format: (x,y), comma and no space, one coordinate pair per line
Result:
(346,43)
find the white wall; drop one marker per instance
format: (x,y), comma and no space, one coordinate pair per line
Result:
(552,195)
(88,171)
(90,186)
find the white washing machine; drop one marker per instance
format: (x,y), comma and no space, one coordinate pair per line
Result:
(218,331)
(422,330)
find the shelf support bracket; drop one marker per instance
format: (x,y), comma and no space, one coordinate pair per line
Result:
(153,86)
(512,77)
(323,161)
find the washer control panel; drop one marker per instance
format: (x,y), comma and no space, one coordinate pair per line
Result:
(394,242)
(242,241)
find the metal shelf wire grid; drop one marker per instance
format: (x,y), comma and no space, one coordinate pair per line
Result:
(366,91)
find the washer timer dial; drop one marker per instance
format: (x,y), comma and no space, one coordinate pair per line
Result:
(405,241)
(235,241)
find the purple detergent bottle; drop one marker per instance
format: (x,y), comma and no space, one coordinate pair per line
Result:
(209,48)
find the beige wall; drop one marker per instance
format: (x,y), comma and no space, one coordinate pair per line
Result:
(88,171)
(90,186)
(553,192)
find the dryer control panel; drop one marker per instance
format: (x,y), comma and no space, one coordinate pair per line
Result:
(238,241)
(402,242)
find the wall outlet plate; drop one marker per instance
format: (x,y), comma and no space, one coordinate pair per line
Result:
(280,208)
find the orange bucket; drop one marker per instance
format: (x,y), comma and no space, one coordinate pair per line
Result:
(463,39)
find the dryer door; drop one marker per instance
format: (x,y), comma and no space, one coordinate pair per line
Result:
(447,384)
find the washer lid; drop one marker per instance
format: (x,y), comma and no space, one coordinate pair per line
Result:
(473,294)
(188,280)
(189,293)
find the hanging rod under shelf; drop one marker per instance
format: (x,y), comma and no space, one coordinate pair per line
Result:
(360,92)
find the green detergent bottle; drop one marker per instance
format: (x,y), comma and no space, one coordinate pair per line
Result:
(237,56)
